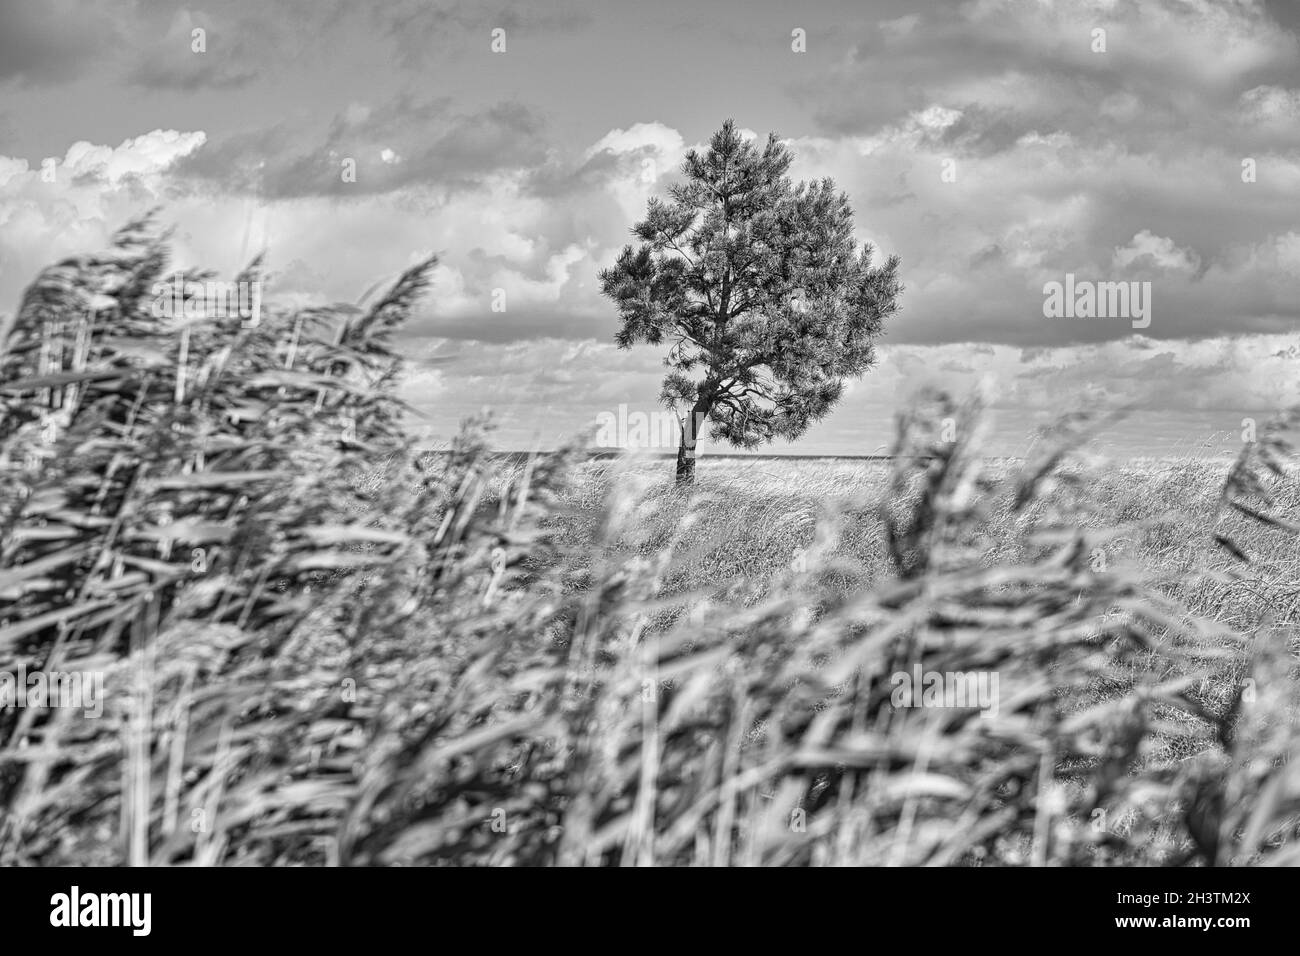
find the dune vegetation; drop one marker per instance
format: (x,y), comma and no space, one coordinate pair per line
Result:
(324,646)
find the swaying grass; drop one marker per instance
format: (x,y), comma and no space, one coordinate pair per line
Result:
(323,648)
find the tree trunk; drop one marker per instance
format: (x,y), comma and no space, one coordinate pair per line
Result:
(692,425)
(685,464)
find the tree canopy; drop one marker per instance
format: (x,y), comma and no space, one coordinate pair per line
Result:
(766,300)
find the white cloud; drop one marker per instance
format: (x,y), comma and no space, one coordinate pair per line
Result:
(145,155)
(1146,248)
(95,190)
(663,140)
(1267,103)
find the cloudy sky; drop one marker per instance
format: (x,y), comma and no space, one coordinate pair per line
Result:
(990,143)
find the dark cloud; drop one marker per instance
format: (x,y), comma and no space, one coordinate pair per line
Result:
(423,30)
(526,323)
(563,180)
(1170,67)
(1285,12)
(507,165)
(235,43)
(54,40)
(989,255)
(405,142)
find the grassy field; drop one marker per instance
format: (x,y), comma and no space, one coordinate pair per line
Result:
(1154,520)
(754,536)
(321,647)
(1157,518)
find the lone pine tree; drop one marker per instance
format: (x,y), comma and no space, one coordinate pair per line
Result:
(768,303)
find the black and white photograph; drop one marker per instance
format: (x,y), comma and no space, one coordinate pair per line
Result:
(738,434)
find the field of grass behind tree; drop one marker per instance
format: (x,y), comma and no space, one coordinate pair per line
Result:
(322,647)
